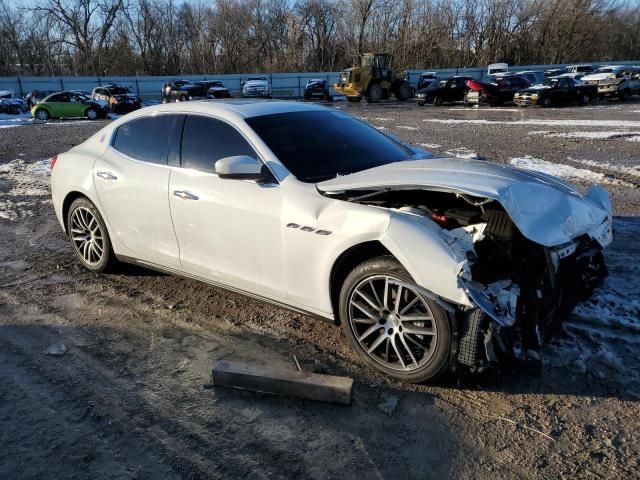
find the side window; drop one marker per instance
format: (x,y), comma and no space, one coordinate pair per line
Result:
(149,139)
(206,140)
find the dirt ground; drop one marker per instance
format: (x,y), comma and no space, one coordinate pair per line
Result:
(131,398)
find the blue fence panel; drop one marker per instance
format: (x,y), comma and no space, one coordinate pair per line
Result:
(284,85)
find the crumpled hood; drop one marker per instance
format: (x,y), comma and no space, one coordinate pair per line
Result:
(545,209)
(599,77)
(256,83)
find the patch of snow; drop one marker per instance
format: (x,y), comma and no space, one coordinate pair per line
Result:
(605,329)
(633,170)
(600,135)
(484,109)
(634,139)
(462,152)
(565,171)
(383,119)
(429,145)
(381,128)
(25,179)
(406,127)
(543,122)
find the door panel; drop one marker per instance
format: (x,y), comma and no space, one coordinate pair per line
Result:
(136,206)
(229,230)
(134,193)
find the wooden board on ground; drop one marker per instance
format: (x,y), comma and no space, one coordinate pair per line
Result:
(279,381)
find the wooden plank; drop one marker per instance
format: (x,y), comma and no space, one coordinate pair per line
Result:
(279,381)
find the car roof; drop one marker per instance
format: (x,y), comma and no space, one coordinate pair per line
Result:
(244,108)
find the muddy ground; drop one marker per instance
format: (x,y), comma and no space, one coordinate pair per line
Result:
(132,397)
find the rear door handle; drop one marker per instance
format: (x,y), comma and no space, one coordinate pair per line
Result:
(106,176)
(185,195)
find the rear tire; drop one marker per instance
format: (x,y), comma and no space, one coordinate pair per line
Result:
(403,92)
(91,113)
(421,103)
(406,336)
(586,99)
(437,101)
(89,236)
(374,95)
(546,102)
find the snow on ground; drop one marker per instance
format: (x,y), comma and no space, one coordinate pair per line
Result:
(634,139)
(18,180)
(7,120)
(604,331)
(601,135)
(544,122)
(633,171)
(406,127)
(484,109)
(429,145)
(565,171)
(462,152)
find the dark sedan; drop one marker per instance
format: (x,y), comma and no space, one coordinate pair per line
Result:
(316,88)
(447,90)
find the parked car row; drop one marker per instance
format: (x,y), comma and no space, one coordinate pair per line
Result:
(526,88)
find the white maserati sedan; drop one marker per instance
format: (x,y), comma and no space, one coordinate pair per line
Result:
(428,264)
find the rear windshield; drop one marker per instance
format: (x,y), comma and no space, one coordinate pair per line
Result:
(320,145)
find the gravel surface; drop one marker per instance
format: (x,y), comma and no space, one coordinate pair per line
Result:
(108,376)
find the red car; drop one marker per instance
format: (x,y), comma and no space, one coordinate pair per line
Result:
(497,91)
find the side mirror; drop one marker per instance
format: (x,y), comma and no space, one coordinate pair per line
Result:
(241,167)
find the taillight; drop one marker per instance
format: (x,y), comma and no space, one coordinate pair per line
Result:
(54,159)
(440,219)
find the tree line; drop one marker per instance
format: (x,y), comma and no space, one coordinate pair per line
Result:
(167,37)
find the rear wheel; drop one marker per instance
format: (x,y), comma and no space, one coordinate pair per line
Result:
(624,95)
(183,98)
(89,237)
(403,92)
(546,102)
(586,99)
(438,101)
(392,326)
(91,113)
(374,95)
(421,103)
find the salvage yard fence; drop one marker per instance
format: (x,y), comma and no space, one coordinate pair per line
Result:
(284,85)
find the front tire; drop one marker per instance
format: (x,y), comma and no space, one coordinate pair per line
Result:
(392,326)
(42,115)
(89,236)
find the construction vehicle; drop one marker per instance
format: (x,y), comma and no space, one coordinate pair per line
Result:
(373,80)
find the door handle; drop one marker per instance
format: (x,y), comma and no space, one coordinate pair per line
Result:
(185,195)
(106,176)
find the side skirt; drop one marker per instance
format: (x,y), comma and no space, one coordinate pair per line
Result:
(255,296)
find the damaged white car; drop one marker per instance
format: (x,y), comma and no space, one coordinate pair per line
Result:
(428,264)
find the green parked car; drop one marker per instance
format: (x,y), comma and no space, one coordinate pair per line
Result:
(68,105)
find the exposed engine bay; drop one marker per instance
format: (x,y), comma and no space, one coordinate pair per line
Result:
(522,290)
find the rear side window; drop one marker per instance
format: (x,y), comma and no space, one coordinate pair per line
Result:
(149,139)
(206,140)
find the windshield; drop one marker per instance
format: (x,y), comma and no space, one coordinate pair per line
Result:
(320,145)
(606,69)
(119,90)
